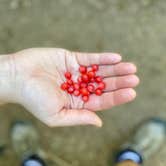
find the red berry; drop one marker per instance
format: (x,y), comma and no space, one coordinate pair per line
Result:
(98,79)
(83,85)
(85,78)
(92,80)
(85,98)
(82,69)
(98,92)
(70,90)
(91,74)
(64,86)
(101,85)
(70,82)
(76,86)
(91,88)
(68,75)
(95,67)
(79,79)
(87,83)
(76,93)
(84,91)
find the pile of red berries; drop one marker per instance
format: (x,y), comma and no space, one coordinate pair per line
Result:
(87,83)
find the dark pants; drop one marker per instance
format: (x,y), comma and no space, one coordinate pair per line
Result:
(129,157)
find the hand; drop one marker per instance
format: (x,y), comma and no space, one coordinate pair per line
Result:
(38,73)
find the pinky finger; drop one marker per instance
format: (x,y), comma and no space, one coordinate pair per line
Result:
(110,99)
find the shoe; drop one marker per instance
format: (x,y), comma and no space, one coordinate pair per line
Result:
(147,140)
(25,141)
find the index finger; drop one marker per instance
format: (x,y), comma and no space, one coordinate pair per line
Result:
(88,59)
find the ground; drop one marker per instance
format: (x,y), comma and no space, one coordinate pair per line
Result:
(136,29)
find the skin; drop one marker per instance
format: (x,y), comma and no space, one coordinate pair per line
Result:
(127,163)
(33,77)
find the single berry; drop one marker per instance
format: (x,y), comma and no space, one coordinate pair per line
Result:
(68,75)
(95,67)
(91,74)
(70,90)
(85,98)
(76,86)
(79,80)
(64,86)
(92,80)
(98,92)
(70,82)
(83,85)
(76,93)
(98,79)
(101,85)
(91,88)
(84,91)
(85,78)
(82,69)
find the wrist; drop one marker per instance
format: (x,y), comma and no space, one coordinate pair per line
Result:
(7,78)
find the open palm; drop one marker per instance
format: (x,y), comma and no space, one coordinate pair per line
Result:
(39,73)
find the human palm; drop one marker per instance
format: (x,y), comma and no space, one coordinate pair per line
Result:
(39,72)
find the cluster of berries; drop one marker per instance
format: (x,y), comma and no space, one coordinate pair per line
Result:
(87,83)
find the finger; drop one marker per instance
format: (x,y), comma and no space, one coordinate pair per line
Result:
(74,117)
(114,83)
(88,59)
(117,69)
(110,99)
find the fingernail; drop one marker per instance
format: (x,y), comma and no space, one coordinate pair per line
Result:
(133,80)
(98,123)
(116,58)
(131,94)
(131,67)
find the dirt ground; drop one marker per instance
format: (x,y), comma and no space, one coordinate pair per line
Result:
(134,28)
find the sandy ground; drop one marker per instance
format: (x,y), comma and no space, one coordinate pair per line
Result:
(134,28)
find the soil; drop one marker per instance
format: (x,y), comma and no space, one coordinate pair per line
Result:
(136,29)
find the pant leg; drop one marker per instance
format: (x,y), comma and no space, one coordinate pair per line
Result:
(33,160)
(129,157)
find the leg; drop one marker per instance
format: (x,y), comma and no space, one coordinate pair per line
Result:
(127,163)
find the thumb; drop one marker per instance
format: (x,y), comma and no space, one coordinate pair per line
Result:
(73,117)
